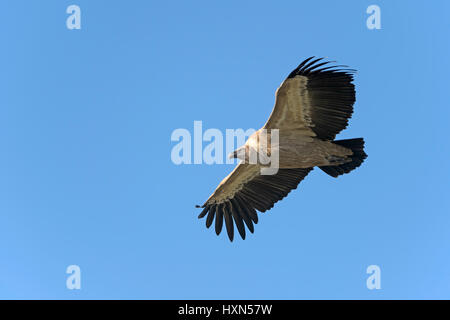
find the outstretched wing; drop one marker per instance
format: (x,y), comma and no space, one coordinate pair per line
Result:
(244,191)
(316,98)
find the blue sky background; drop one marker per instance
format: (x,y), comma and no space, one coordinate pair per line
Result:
(86,176)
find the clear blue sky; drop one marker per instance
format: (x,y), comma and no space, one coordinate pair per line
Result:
(86,176)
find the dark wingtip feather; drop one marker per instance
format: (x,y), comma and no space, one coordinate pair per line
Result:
(243,213)
(219,219)
(308,67)
(239,223)
(210,217)
(203,213)
(296,70)
(249,209)
(229,224)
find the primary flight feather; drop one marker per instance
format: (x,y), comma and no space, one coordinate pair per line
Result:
(312,106)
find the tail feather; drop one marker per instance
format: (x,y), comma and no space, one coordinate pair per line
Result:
(358,156)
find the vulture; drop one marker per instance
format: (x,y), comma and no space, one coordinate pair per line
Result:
(312,105)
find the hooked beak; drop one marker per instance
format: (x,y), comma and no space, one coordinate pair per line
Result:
(232,155)
(239,153)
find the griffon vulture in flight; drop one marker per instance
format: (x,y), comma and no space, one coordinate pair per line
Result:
(312,106)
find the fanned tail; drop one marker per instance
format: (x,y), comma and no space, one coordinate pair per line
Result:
(357,146)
